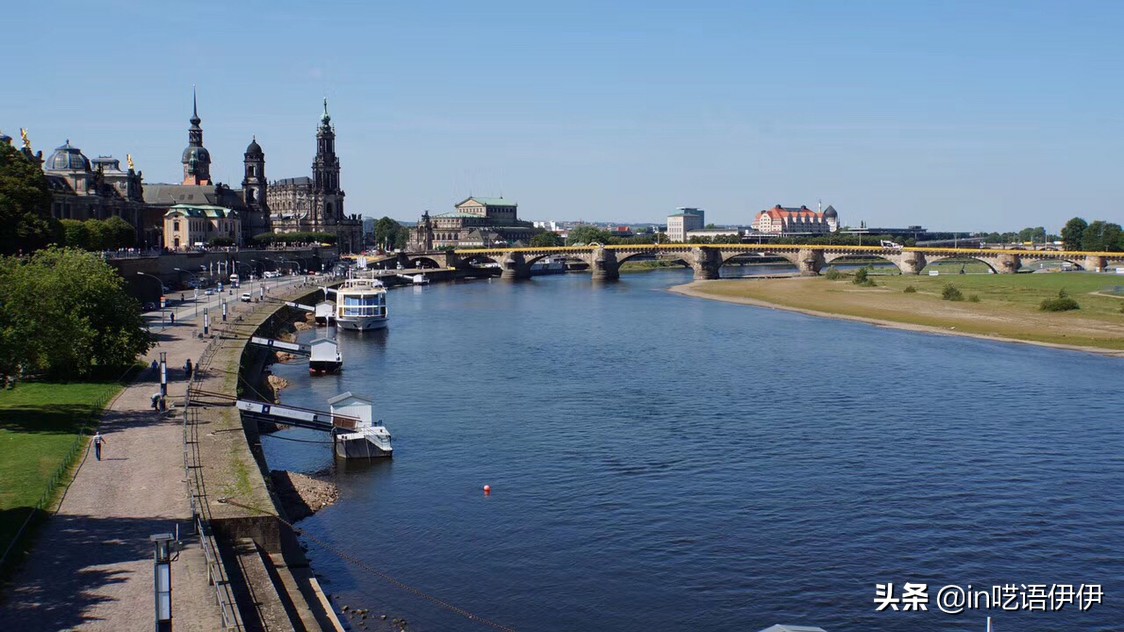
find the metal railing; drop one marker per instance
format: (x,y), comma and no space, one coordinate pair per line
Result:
(197,492)
(196,482)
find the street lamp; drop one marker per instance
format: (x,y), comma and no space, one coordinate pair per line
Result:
(160,285)
(196,278)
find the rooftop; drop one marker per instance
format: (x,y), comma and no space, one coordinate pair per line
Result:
(201,210)
(486,201)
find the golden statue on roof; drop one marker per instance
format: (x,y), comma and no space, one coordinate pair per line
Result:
(26,142)
(129,160)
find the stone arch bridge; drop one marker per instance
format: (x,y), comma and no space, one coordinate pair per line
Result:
(707,259)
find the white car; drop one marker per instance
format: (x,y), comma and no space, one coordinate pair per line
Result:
(246,298)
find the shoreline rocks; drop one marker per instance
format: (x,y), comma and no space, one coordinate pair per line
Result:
(301,495)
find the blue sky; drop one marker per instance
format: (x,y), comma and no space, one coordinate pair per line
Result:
(954,115)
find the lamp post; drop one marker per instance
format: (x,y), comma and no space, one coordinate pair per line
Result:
(162,576)
(160,285)
(250,277)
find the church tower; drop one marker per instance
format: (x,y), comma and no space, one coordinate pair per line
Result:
(327,196)
(196,159)
(254,190)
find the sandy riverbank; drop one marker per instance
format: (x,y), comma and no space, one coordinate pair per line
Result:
(951,311)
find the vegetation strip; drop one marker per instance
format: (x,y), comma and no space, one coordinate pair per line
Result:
(1006,307)
(43,430)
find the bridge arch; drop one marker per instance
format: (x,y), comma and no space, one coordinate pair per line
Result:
(931,259)
(791,256)
(860,258)
(429,261)
(1033,263)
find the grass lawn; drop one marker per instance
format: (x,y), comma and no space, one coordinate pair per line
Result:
(1007,307)
(39,425)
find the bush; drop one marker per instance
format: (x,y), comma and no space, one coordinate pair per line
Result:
(1122,309)
(833,274)
(951,293)
(909,289)
(974,298)
(862,278)
(1063,303)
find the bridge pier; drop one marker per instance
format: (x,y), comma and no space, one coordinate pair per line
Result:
(911,262)
(515,267)
(603,264)
(1008,264)
(809,261)
(1093,263)
(705,262)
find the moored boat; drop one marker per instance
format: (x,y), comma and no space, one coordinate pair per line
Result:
(361,305)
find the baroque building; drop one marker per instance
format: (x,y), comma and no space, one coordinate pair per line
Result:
(316,204)
(82,189)
(477,222)
(781,220)
(249,204)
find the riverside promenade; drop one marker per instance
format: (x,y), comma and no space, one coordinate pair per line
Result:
(92,565)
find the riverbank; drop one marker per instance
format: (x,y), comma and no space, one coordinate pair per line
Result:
(1005,312)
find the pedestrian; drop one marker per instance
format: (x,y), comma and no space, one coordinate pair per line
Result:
(173,315)
(187,368)
(98,440)
(156,401)
(155,365)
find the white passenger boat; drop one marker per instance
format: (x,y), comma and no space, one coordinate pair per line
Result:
(360,305)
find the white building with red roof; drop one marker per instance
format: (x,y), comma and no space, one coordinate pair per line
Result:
(781,220)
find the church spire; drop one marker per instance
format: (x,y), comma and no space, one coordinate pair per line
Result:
(196,159)
(195,120)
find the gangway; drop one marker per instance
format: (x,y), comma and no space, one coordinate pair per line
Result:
(323,353)
(296,416)
(291,347)
(307,308)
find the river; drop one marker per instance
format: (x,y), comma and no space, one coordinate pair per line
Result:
(664,462)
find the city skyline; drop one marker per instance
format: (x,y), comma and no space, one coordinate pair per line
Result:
(957,117)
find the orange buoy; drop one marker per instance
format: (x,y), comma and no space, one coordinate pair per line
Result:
(487,490)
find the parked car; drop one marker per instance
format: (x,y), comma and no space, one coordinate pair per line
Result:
(246,298)
(149,306)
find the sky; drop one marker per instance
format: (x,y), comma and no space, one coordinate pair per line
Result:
(975,116)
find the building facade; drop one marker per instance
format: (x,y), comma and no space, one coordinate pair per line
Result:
(316,204)
(687,219)
(82,189)
(477,222)
(191,226)
(781,220)
(249,203)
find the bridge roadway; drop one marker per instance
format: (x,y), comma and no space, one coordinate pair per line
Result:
(707,259)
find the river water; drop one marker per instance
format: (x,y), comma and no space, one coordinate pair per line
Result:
(661,462)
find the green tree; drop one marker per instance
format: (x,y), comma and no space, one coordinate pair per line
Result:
(1101,236)
(120,234)
(547,239)
(1073,232)
(386,233)
(75,234)
(25,205)
(587,235)
(65,313)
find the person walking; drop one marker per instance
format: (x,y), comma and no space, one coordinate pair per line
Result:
(187,368)
(98,440)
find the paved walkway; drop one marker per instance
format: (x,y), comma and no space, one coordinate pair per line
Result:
(92,566)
